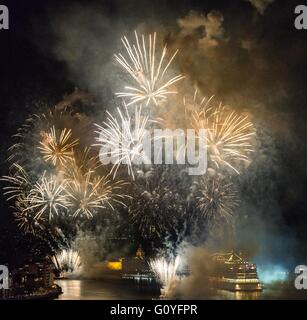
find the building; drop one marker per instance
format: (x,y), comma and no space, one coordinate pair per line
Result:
(29,279)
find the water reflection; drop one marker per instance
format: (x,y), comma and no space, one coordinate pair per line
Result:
(119,290)
(227,295)
(100,290)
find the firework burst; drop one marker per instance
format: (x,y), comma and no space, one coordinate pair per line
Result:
(87,194)
(84,197)
(25,218)
(156,206)
(148,72)
(31,132)
(48,197)
(67,261)
(48,137)
(19,186)
(123,141)
(217,199)
(165,271)
(18,183)
(229,135)
(57,147)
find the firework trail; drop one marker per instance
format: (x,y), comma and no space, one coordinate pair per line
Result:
(67,261)
(124,141)
(83,161)
(146,70)
(229,135)
(48,197)
(57,147)
(165,271)
(196,105)
(217,199)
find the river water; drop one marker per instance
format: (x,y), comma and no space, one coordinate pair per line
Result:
(118,290)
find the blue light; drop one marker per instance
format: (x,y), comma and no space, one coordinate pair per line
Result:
(272,273)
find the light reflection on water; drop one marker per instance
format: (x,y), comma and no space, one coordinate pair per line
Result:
(100,290)
(117,290)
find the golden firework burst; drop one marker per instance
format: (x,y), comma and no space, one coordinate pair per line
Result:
(57,147)
(229,134)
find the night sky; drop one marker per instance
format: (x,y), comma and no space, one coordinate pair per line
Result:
(251,58)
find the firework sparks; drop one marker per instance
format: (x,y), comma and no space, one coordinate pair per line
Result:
(31,131)
(147,71)
(85,161)
(84,197)
(17,190)
(87,194)
(18,182)
(156,205)
(229,135)
(67,261)
(25,219)
(123,141)
(165,271)
(48,197)
(217,199)
(57,148)
(47,138)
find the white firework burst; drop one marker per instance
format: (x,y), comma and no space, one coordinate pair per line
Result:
(165,271)
(148,72)
(67,261)
(48,197)
(18,183)
(124,140)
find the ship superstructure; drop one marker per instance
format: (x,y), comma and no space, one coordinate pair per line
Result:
(233,272)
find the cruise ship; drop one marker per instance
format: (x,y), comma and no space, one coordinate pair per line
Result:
(137,268)
(233,272)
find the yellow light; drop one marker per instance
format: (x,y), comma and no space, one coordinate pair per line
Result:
(114,265)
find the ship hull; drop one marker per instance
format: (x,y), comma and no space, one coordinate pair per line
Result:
(235,286)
